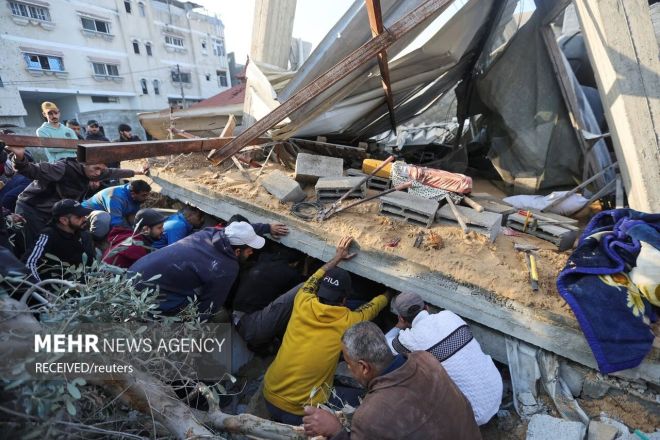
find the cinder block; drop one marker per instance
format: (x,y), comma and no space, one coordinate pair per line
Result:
(562,236)
(413,209)
(485,223)
(494,204)
(309,167)
(332,188)
(544,427)
(283,187)
(376,183)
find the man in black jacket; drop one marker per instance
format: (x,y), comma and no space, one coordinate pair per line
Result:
(65,238)
(64,179)
(94,132)
(126,134)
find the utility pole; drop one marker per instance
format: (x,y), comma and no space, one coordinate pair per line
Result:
(183,96)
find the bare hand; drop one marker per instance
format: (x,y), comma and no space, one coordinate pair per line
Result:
(145,169)
(19,152)
(278,230)
(16,218)
(342,249)
(318,421)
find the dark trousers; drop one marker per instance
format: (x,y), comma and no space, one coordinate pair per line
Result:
(9,193)
(264,325)
(35,222)
(281,416)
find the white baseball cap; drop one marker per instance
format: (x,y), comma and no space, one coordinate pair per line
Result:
(242,233)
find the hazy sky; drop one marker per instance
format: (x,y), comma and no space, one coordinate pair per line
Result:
(314,18)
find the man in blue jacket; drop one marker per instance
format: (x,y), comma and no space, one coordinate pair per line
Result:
(180,225)
(116,206)
(203,265)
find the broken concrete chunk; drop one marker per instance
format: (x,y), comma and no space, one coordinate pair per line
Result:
(573,377)
(283,187)
(601,431)
(332,188)
(544,427)
(309,167)
(594,388)
(410,208)
(485,223)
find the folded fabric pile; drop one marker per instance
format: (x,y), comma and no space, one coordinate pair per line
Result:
(612,283)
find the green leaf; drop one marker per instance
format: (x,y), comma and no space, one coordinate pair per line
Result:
(79,381)
(221,389)
(73,390)
(70,408)
(140,330)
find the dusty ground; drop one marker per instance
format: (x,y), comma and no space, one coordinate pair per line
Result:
(470,259)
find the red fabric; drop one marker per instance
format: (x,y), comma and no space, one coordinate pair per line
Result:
(125,247)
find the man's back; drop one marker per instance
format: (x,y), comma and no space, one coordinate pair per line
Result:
(416,401)
(115,200)
(201,264)
(310,350)
(469,367)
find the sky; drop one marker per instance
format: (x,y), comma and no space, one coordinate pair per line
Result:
(313,20)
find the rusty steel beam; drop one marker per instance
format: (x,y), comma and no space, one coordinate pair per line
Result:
(350,63)
(376,23)
(118,151)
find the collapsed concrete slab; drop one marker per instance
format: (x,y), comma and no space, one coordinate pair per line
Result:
(283,187)
(310,167)
(332,188)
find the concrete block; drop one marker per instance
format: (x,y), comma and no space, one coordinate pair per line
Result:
(332,188)
(601,431)
(594,388)
(563,237)
(544,427)
(310,167)
(494,204)
(485,223)
(377,183)
(283,187)
(408,207)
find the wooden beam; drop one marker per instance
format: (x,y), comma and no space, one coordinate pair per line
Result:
(15,140)
(118,151)
(376,23)
(350,63)
(623,51)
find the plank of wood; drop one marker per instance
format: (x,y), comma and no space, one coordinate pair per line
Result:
(118,151)
(459,217)
(350,63)
(15,140)
(376,23)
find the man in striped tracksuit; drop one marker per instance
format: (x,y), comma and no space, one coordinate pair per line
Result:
(65,238)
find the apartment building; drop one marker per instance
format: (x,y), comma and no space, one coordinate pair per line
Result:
(106,59)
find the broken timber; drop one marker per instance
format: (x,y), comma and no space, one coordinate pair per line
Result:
(354,60)
(495,315)
(376,23)
(103,152)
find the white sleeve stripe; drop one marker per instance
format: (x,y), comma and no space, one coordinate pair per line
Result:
(36,255)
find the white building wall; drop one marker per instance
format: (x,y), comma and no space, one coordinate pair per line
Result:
(74,89)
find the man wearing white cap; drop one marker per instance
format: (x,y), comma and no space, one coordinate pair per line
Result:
(203,265)
(447,337)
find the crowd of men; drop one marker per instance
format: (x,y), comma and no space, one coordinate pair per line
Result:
(426,378)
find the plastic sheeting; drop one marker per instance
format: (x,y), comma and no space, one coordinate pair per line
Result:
(531,135)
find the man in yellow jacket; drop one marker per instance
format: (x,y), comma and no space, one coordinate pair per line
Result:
(303,369)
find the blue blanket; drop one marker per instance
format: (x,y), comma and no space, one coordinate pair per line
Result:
(611,283)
